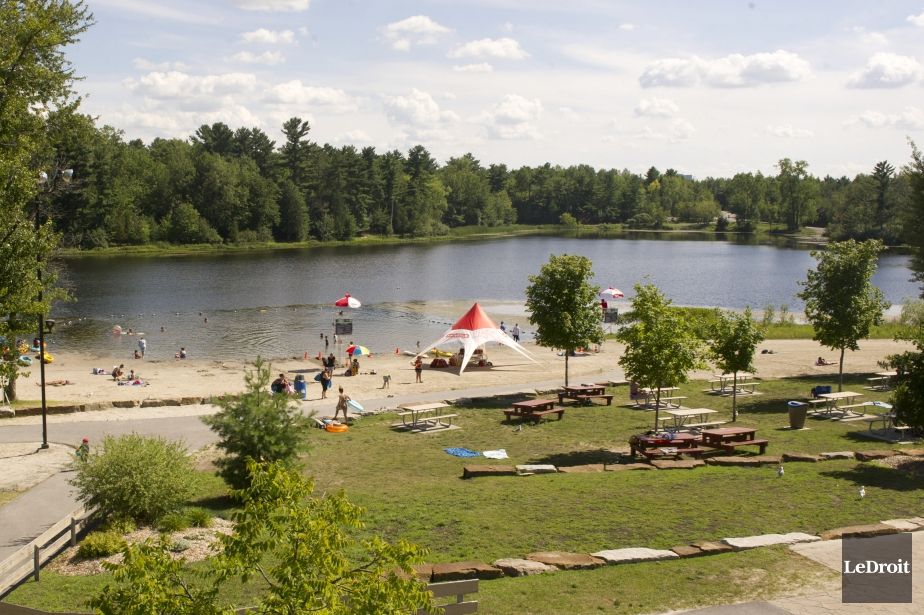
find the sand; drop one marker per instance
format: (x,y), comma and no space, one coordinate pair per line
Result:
(174,379)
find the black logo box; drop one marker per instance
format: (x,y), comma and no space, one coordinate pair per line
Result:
(877,569)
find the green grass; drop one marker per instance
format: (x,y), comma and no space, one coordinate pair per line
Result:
(413,490)
(8,496)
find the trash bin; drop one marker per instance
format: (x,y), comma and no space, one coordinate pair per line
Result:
(301,387)
(797,412)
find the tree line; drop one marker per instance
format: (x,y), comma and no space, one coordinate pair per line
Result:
(224,185)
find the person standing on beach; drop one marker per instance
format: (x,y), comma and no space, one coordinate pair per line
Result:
(516,332)
(342,400)
(325,382)
(418,369)
(142,346)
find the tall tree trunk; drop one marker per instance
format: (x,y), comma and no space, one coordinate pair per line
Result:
(840,373)
(657,406)
(567,352)
(734,397)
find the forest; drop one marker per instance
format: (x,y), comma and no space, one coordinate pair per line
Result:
(239,185)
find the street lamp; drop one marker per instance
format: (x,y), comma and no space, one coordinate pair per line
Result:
(48,183)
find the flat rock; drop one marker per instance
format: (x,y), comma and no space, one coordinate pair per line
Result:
(911,452)
(838,455)
(473,471)
(634,554)
(687,551)
(709,547)
(191,401)
(854,531)
(94,406)
(621,467)
(734,461)
(584,469)
(173,402)
(125,403)
(677,464)
(7,413)
(536,468)
(68,409)
(765,540)
(873,455)
(515,567)
(905,525)
(566,561)
(806,457)
(153,403)
(457,571)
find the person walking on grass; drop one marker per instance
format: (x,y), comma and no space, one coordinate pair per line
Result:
(342,400)
(418,368)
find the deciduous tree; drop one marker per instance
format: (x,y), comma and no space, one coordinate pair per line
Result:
(734,339)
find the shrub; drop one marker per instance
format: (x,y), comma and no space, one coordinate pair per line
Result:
(199,517)
(180,545)
(120,525)
(135,477)
(173,522)
(257,425)
(101,544)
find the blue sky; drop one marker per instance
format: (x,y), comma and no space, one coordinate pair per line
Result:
(708,87)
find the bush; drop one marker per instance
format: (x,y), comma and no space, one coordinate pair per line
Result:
(101,544)
(135,477)
(120,525)
(199,517)
(180,545)
(173,522)
(257,425)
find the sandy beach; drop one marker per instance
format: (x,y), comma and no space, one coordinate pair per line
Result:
(171,379)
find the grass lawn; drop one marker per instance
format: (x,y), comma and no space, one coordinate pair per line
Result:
(413,490)
(8,496)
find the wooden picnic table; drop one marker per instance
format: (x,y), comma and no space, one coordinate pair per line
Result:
(691,418)
(833,403)
(534,409)
(729,438)
(665,445)
(584,393)
(424,417)
(651,397)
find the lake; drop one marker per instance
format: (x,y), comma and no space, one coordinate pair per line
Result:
(276,303)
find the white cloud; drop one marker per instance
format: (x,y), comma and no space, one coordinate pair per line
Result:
(917,20)
(270,58)
(269,37)
(734,70)
(298,94)
(417,109)
(513,117)
(482,67)
(627,27)
(353,136)
(178,85)
(674,132)
(870,38)
(910,118)
(416,30)
(504,48)
(886,70)
(787,131)
(157,11)
(273,5)
(144,64)
(656,107)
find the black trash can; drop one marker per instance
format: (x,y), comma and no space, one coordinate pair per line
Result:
(797,412)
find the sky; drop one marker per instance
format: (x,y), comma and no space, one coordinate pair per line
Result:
(709,88)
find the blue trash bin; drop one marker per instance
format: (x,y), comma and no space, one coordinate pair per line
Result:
(301,387)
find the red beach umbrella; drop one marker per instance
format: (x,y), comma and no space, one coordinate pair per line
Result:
(347,301)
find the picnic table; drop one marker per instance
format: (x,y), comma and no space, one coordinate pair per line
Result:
(882,381)
(843,402)
(650,396)
(534,410)
(665,445)
(584,393)
(729,438)
(721,382)
(424,417)
(690,418)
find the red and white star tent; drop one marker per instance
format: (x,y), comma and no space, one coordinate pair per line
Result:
(473,330)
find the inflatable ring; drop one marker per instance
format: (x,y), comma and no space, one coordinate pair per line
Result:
(335,428)
(25,360)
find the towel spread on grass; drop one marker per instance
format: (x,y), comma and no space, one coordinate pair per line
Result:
(498,454)
(462,452)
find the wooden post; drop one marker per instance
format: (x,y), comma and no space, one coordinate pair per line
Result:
(73,532)
(36,560)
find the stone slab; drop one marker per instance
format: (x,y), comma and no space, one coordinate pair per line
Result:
(153,403)
(752,462)
(536,468)
(911,452)
(67,409)
(857,531)
(191,401)
(622,467)
(458,571)
(634,554)
(802,457)
(584,469)
(677,464)
(566,561)
(838,455)
(7,413)
(687,551)
(125,403)
(474,471)
(516,567)
(709,547)
(766,540)
(873,455)
(905,525)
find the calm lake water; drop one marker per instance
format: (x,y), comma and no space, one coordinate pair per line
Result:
(276,303)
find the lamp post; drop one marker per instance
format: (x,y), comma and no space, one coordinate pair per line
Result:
(45,180)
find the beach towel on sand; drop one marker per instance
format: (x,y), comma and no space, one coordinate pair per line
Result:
(498,454)
(461,452)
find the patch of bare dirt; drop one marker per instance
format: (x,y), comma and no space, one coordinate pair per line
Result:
(905,463)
